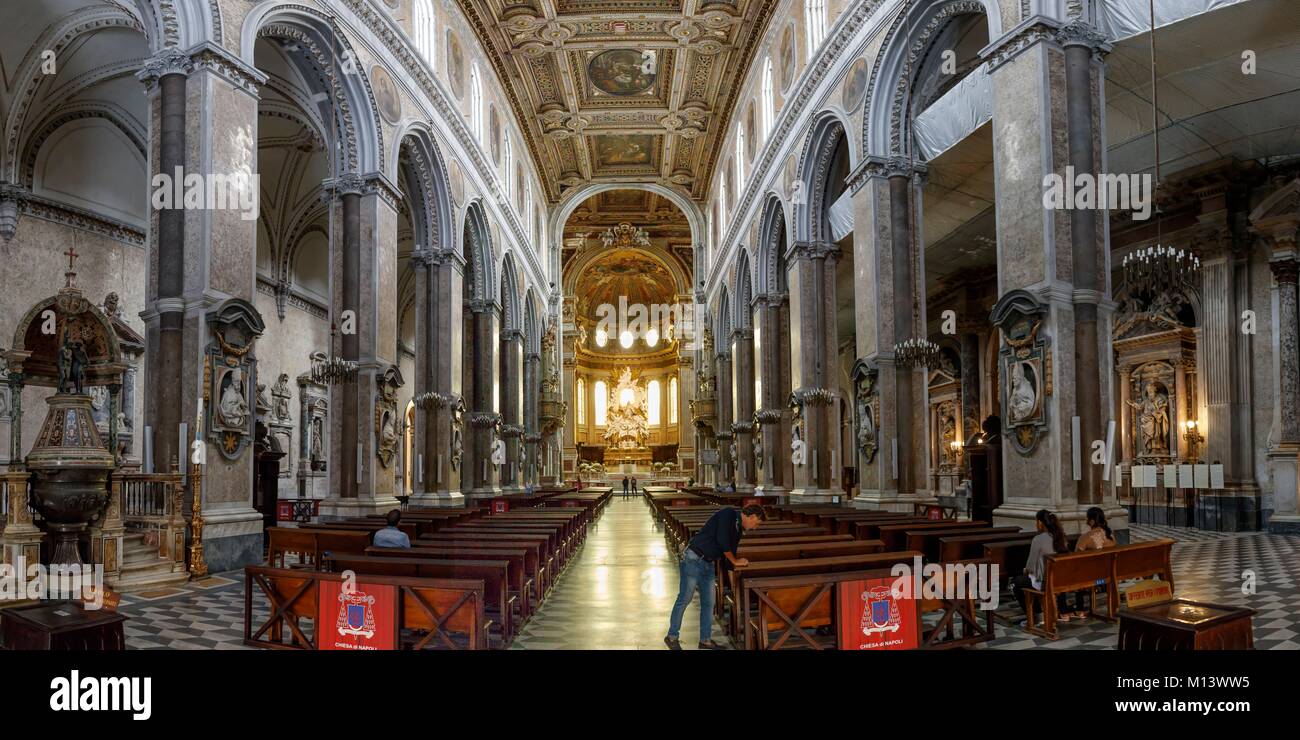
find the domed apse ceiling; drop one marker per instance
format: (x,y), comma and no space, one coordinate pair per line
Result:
(621,90)
(627,268)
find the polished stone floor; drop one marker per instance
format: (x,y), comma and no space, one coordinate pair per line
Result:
(618,592)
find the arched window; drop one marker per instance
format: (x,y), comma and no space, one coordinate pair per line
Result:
(740,159)
(425,27)
(581,413)
(476,103)
(723,200)
(769,99)
(652,414)
(528,200)
(814,16)
(672,401)
(599,402)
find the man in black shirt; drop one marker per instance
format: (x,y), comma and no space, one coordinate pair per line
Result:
(720,537)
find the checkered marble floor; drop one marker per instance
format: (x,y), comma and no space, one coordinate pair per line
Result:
(620,586)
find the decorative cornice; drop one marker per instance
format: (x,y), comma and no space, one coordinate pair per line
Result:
(884,168)
(210,57)
(1025,35)
(39,207)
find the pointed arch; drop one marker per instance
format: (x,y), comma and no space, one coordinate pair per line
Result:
(744,292)
(511,310)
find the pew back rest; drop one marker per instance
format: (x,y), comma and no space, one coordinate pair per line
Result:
(1142,559)
(1073,571)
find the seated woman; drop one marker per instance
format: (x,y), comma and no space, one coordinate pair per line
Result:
(1097,537)
(1049,540)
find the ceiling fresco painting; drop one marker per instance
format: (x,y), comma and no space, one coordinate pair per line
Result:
(621,90)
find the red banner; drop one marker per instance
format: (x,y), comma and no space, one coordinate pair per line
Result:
(500,507)
(872,618)
(934,512)
(365,619)
(284,510)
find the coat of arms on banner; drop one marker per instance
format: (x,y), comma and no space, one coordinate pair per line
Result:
(881,613)
(356,614)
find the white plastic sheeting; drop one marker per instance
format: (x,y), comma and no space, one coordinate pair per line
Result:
(1120,19)
(956,114)
(841,216)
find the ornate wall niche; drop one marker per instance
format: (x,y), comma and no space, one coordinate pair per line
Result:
(1025,365)
(313,421)
(232,375)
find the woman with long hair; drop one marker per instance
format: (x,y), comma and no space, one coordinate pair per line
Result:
(1097,537)
(1049,540)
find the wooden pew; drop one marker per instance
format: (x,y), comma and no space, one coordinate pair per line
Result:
(927,540)
(521,582)
(1065,573)
(895,535)
(869,529)
(965,546)
(549,557)
(441,609)
(554,537)
(1139,560)
(312,544)
(495,574)
(742,601)
(536,567)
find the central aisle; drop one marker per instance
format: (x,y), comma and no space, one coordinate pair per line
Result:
(618,591)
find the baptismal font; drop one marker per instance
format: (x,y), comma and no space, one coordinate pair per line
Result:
(66,343)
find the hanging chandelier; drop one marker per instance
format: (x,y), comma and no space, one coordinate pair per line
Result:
(1157,268)
(912,353)
(333,370)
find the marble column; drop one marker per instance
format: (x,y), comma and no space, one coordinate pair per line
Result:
(165,76)
(512,409)
(725,437)
(813,356)
(444,435)
(742,347)
(484,415)
(1284,455)
(888,275)
(421,463)
(1041,75)
(772,413)
(970,382)
(532,437)
(204,104)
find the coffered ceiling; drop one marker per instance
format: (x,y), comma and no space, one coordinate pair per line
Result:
(622,90)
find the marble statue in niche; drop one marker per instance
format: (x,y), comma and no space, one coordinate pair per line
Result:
(1024,397)
(1152,416)
(758,450)
(233,407)
(317,435)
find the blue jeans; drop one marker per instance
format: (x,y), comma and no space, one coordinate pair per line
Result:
(695,573)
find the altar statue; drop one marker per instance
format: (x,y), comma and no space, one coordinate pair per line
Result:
(1153,420)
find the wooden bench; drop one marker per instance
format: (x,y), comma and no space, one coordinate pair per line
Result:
(549,559)
(869,529)
(799,598)
(312,544)
(965,546)
(1065,573)
(927,540)
(495,575)
(450,611)
(521,578)
(1139,560)
(895,535)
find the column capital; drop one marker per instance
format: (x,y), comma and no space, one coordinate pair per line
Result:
(168,61)
(809,250)
(1285,270)
(1079,32)
(482,305)
(512,335)
(215,59)
(354,183)
(877,167)
(741,334)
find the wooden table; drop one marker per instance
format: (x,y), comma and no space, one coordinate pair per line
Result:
(61,626)
(1182,624)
